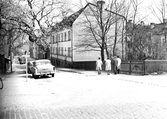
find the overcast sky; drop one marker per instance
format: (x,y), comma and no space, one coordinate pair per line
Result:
(144,9)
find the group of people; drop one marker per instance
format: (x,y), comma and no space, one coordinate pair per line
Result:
(113,63)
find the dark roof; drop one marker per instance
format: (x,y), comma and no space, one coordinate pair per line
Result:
(68,21)
(159,29)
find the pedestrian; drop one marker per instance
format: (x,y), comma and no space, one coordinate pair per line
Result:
(108,65)
(114,63)
(99,65)
(118,64)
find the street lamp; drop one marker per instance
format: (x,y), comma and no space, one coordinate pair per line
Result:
(125,23)
(100,4)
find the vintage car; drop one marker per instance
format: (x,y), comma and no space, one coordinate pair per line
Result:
(41,67)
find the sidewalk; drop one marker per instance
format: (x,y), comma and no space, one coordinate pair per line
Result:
(155,80)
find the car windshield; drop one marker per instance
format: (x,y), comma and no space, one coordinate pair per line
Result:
(42,62)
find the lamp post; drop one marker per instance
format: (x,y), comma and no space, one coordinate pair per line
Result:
(125,23)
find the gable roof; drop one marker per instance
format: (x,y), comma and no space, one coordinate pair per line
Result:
(68,21)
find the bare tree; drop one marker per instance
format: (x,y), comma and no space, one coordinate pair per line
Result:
(136,31)
(36,18)
(98,27)
(159,10)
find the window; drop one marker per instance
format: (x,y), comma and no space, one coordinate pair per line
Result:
(69,51)
(55,50)
(56,39)
(53,39)
(61,50)
(62,37)
(65,36)
(69,35)
(65,51)
(58,50)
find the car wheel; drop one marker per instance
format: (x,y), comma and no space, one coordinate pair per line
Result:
(53,75)
(36,76)
(32,75)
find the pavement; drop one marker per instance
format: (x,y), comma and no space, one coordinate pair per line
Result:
(78,94)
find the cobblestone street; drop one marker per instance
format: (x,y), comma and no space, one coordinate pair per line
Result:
(78,96)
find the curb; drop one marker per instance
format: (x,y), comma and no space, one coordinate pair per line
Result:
(69,70)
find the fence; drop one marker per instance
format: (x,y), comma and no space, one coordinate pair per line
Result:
(133,67)
(141,67)
(158,66)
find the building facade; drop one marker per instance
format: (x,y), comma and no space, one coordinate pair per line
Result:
(67,38)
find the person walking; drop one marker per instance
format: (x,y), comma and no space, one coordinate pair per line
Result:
(108,65)
(114,63)
(118,65)
(99,65)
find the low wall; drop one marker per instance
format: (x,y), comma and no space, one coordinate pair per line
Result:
(144,67)
(88,65)
(158,66)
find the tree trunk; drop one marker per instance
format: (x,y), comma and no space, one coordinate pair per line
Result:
(115,41)
(122,42)
(102,57)
(102,54)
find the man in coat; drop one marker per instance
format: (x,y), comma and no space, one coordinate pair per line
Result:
(118,64)
(114,64)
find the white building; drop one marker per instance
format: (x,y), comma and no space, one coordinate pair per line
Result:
(70,34)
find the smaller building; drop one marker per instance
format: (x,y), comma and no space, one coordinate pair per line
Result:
(147,40)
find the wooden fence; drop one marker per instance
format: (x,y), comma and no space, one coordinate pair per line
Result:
(140,67)
(133,67)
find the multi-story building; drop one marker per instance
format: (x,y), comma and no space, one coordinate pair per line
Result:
(66,35)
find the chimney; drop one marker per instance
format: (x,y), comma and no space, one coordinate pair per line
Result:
(142,23)
(165,21)
(152,25)
(129,21)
